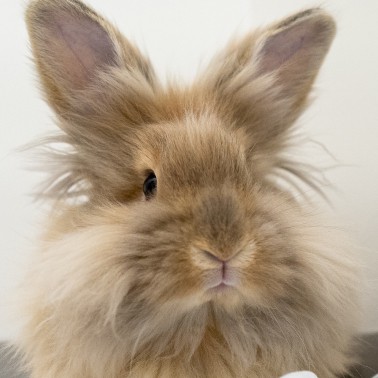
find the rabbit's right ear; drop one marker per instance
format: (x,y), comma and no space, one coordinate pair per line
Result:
(72,45)
(262,82)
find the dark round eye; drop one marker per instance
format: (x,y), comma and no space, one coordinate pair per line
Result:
(150,185)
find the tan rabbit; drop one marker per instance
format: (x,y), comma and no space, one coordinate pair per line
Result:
(181,256)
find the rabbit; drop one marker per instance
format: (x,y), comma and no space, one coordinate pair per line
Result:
(172,248)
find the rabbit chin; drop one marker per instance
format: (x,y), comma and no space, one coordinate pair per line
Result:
(226,297)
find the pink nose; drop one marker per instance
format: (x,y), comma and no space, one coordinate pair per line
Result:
(212,257)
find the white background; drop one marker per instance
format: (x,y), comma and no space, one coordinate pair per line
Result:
(179,36)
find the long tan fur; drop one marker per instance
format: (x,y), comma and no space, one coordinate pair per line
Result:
(123,284)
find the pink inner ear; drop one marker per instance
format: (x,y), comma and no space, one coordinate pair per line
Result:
(283,46)
(80,45)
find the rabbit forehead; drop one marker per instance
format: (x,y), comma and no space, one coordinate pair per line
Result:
(194,150)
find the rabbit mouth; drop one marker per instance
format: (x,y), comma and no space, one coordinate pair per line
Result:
(222,280)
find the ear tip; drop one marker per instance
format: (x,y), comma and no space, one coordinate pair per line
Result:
(319,21)
(325,25)
(325,19)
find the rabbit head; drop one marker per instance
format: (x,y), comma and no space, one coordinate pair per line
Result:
(184,247)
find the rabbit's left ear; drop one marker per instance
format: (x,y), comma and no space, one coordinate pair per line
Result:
(73,45)
(100,86)
(263,80)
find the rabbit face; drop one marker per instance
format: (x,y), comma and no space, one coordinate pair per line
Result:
(207,232)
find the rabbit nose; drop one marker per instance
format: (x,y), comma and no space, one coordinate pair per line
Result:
(211,256)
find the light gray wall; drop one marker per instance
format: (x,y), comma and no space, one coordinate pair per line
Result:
(178,35)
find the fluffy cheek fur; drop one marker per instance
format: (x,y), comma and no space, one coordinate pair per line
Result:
(114,295)
(123,304)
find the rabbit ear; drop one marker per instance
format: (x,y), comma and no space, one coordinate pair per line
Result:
(100,87)
(264,79)
(293,51)
(72,45)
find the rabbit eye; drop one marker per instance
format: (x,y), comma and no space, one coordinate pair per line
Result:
(150,185)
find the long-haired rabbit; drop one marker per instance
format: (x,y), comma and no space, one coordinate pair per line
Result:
(183,255)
